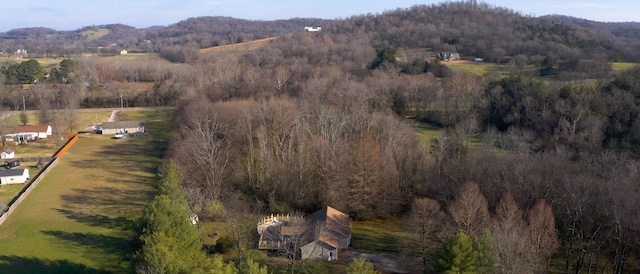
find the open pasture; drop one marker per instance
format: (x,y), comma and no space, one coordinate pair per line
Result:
(240,47)
(84,216)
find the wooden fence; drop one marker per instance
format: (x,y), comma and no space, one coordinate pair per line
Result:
(31,185)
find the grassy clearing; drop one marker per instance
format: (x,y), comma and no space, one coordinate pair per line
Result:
(83,217)
(426,133)
(619,66)
(240,47)
(378,236)
(95,34)
(479,68)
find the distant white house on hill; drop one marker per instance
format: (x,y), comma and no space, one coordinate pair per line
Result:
(312,29)
(14,176)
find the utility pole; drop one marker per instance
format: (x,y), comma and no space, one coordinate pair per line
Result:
(121,104)
(24,108)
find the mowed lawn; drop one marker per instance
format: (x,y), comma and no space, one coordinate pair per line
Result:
(84,216)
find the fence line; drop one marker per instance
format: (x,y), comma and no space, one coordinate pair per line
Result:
(36,180)
(32,159)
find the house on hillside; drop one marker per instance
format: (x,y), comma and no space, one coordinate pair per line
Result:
(14,176)
(312,29)
(122,127)
(331,233)
(7,154)
(448,56)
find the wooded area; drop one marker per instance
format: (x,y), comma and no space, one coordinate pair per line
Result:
(533,172)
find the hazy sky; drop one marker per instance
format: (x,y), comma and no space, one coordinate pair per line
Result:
(74,14)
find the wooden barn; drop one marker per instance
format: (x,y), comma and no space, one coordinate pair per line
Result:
(334,234)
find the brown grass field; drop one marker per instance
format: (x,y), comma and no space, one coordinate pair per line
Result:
(240,47)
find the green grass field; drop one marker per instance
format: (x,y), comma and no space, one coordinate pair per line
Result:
(481,68)
(84,216)
(378,236)
(619,66)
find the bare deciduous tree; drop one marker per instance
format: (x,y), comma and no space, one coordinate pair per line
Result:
(208,133)
(542,228)
(425,222)
(470,210)
(509,231)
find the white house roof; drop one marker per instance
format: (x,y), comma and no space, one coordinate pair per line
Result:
(8,151)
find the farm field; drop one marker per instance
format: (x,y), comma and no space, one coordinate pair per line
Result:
(84,216)
(479,68)
(240,47)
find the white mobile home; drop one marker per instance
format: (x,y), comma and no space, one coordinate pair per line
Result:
(123,127)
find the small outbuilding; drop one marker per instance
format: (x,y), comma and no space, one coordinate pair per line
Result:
(7,154)
(12,163)
(122,127)
(14,176)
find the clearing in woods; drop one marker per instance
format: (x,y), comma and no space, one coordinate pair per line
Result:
(240,47)
(84,216)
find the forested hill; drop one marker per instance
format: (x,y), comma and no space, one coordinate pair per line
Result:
(620,29)
(214,31)
(473,29)
(495,33)
(199,32)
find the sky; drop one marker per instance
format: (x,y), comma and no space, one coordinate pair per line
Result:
(75,14)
